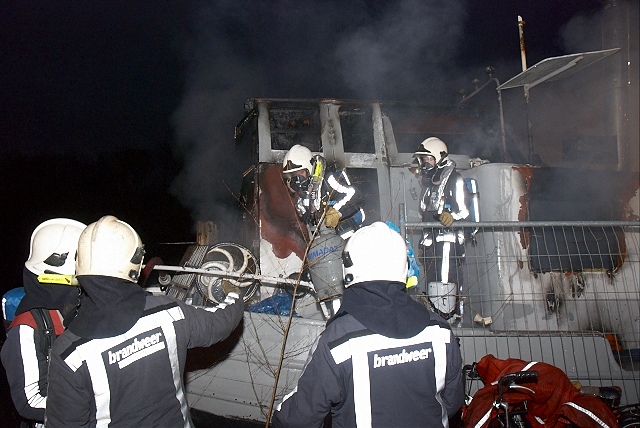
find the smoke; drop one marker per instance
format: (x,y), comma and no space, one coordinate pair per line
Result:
(405,54)
(218,80)
(582,33)
(317,49)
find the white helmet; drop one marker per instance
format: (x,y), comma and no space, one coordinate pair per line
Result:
(53,247)
(375,253)
(110,247)
(297,158)
(432,146)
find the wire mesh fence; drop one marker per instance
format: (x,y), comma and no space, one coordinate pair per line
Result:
(566,293)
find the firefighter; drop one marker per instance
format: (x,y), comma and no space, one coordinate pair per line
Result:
(384,359)
(48,299)
(445,198)
(325,202)
(122,359)
(318,193)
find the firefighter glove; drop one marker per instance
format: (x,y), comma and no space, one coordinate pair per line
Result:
(230,287)
(331,217)
(446,219)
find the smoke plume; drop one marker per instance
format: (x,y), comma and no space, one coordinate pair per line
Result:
(285,48)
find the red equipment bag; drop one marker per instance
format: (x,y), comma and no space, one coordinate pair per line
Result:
(552,402)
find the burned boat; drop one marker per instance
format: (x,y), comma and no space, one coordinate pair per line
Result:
(543,280)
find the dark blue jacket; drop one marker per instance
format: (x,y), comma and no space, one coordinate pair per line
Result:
(384,360)
(121,362)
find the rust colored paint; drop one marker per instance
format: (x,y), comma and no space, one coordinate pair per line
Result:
(623,250)
(279,223)
(629,185)
(148,268)
(627,192)
(527,172)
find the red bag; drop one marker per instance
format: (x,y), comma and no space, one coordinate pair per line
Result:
(552,402)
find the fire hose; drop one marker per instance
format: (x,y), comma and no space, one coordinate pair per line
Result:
(221,273)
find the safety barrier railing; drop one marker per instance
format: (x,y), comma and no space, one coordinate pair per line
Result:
(563,292)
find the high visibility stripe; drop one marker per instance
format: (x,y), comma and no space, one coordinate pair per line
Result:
(463,211)
(341,353)
(484,418)
(444,274)
(286,397)
(440,356)
(588,413)
(345,177)
(170,337)
(358,348)
(101,391)
(347,191)
(91,353)
(29,361)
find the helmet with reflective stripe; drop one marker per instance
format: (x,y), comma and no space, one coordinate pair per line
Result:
(53,247)
(110,247)
(297,158)
(375,253)
(433,146)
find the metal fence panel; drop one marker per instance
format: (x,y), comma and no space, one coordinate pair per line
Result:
(566,293)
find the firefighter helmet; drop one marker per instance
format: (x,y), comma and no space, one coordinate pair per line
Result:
(297,158)
(375,253)
(435,147)
(110,247)
(53,247)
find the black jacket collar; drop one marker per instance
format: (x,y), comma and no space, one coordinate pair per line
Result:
(109,307)
(47,296)
(385,308)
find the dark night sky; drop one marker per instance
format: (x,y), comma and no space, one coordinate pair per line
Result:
(128,108)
